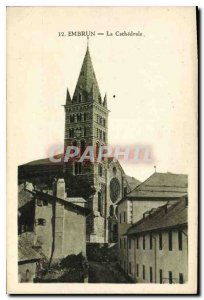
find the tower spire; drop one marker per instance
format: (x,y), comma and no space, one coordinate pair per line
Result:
(68,98)
(87,43)
(87,81)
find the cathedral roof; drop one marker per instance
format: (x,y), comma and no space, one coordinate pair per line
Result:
(87,85)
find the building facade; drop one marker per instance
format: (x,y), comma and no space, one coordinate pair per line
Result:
(159,189)
(58,223)
(157,246)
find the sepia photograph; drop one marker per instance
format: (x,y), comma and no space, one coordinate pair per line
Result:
(102,150)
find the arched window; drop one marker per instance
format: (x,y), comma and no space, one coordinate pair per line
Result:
(73,132)
(27,275)
(97,149)
(80,98)
(74,143)
(83,146)
(111,210)
(100,203)
(104,136)
(100,170)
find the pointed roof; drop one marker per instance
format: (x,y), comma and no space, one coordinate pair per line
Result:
(87,84)
(68,98)
(105,101)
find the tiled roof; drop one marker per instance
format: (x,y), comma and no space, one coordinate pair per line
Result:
(132,181)
(25,248)
(24,196)
(46,161)
(161,185)
(79,208)
(166,216)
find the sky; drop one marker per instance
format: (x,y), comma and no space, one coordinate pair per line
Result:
(153,78)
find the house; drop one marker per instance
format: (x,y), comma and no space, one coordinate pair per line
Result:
(159,189)
(58,222)
(157,245)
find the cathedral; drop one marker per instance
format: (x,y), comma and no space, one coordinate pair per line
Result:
(102,184)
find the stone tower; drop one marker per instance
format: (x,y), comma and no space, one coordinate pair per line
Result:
(86,124)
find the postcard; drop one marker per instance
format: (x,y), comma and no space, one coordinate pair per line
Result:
(102,149)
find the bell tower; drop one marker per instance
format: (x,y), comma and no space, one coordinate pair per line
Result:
(86,114)
(86,124)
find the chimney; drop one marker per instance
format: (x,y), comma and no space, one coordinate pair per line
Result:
(60,192)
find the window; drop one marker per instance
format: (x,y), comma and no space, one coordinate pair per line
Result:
(125,191)
(100,170)
(129,243)
(124,243)
(40,222)
(143,272)
(137,270)
(83,147)
(78,117)
(80,98)
(100,134)
(150,275)
(143,242)
(180,246)
(170,240)
(160,276)
(150,241)
(71,132)
(160,241)
(104,122)
(84,116)
(120,218)
(97,149)
(77,168)
(124,216)
(45,202)
(27,275)
(130,268)
(114,170)
(39,202)
(181,278)
(170,277)
(104,136)
(120,243)
(111,210)
(99,203)
(137,242)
